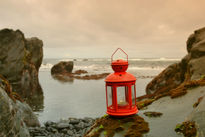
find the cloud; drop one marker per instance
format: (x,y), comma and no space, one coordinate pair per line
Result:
(93,26)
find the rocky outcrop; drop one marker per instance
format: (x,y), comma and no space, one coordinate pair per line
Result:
(15,116)
(184,82)
(62,71)
(177,111)
(35,47)
(62,67)
(191,67)
(108,126)
(20,59)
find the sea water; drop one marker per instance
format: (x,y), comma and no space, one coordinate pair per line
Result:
(86,98)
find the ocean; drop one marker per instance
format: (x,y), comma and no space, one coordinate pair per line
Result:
(86,98)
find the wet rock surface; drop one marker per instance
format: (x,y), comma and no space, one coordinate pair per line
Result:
(175,111)
(72,127)
(20,59)
(198,116)
(178,92)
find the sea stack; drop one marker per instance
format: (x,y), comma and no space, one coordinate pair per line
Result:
(20,59)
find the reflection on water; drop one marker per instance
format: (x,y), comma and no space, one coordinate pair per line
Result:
(36,102)
(80,98)
(63,79)
(32,94)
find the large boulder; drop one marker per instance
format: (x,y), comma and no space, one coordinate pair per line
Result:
(63,67)
(191,67)
(15,116)
(20,59)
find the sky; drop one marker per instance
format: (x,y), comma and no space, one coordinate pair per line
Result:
(96,28)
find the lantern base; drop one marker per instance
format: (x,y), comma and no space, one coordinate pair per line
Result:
(122,112)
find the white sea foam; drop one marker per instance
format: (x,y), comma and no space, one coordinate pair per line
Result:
(46,66)
(146,68)
(103,64)
(155,59)
(66,60)
(130,59)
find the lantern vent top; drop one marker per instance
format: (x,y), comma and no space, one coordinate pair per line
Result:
(119,65)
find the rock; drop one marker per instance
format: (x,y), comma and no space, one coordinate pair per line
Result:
(184,82)
(28,116)
(78,72)
(63,128)
(188,128)
(197,67)
(20,59)
(62,125)
(74,121)
(62,71)
(64,131)
(88,119)
(198,115)
(152,114)
(92,77)
(168,79)
(131,126)
(190,42)
(15,115)
(79,126)
(54,130)
(35,47)
(64,78)
(189,68)
(13,118)
(62,67)
(49,123)
(70,132)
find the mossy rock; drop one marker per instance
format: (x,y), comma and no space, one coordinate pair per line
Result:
(126,126)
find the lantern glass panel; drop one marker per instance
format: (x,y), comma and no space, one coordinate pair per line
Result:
(122,96)
(133,95)
(109,95)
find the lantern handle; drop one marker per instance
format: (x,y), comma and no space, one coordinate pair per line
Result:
(116,51)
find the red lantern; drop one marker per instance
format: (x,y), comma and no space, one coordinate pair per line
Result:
(120,89)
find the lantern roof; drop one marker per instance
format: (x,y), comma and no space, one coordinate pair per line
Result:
(120,77)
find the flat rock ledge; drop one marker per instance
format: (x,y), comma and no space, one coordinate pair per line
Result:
(71,127)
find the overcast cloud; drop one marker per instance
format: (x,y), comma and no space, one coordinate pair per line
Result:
(95,28)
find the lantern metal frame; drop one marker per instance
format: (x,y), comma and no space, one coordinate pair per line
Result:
(121,78)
